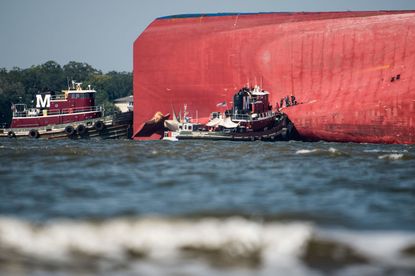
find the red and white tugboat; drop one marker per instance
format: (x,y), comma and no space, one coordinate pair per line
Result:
(251,118)
(72,114)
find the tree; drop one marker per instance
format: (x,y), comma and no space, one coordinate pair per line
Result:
(51,77)
(79,71)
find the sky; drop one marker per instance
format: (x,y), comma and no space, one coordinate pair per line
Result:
(102,32)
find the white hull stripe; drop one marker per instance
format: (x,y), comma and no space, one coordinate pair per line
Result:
(48,116)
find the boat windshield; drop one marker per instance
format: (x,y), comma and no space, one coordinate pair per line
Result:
(20,107)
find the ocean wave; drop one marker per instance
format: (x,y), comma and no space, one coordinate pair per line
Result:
(392,156)
(234,242)
(385,151)
(305,151)
(330,152)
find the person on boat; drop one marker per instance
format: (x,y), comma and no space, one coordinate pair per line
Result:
(287,101)
(293,100)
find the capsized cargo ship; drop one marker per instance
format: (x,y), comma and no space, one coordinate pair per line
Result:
(351,72)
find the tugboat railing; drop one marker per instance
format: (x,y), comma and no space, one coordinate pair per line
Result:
(53,112)
(58,97)
(20,114)
(248,117)
(241,117)
(64,111)
(82,109)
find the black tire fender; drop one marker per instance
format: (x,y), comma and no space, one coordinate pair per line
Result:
(81,129)
(11,134)
(69,130)
(33,133)
(99,125)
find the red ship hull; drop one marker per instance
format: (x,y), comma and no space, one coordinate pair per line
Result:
(351,72)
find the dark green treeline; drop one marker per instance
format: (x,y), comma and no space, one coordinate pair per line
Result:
(21,85)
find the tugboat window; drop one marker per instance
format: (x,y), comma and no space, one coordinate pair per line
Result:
(20,107)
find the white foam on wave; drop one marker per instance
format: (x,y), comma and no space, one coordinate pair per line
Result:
(384,151)
(279,245)
(381,246)
(306,151)
(392,156)
(333,150)
(158,237)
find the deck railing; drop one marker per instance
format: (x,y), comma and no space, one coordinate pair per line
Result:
(241,117)
(64,111)
(58,97)
(249,117)
(81,109)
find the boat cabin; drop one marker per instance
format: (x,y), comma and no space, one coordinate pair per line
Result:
(250,104)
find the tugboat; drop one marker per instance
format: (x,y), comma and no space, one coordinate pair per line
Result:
(72,114)
(250,118)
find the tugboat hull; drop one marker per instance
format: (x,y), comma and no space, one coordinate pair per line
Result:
(109,127)
(277,133)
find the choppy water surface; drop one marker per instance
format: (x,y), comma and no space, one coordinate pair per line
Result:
(206,208)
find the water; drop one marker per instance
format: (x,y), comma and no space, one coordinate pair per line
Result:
(206,208)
